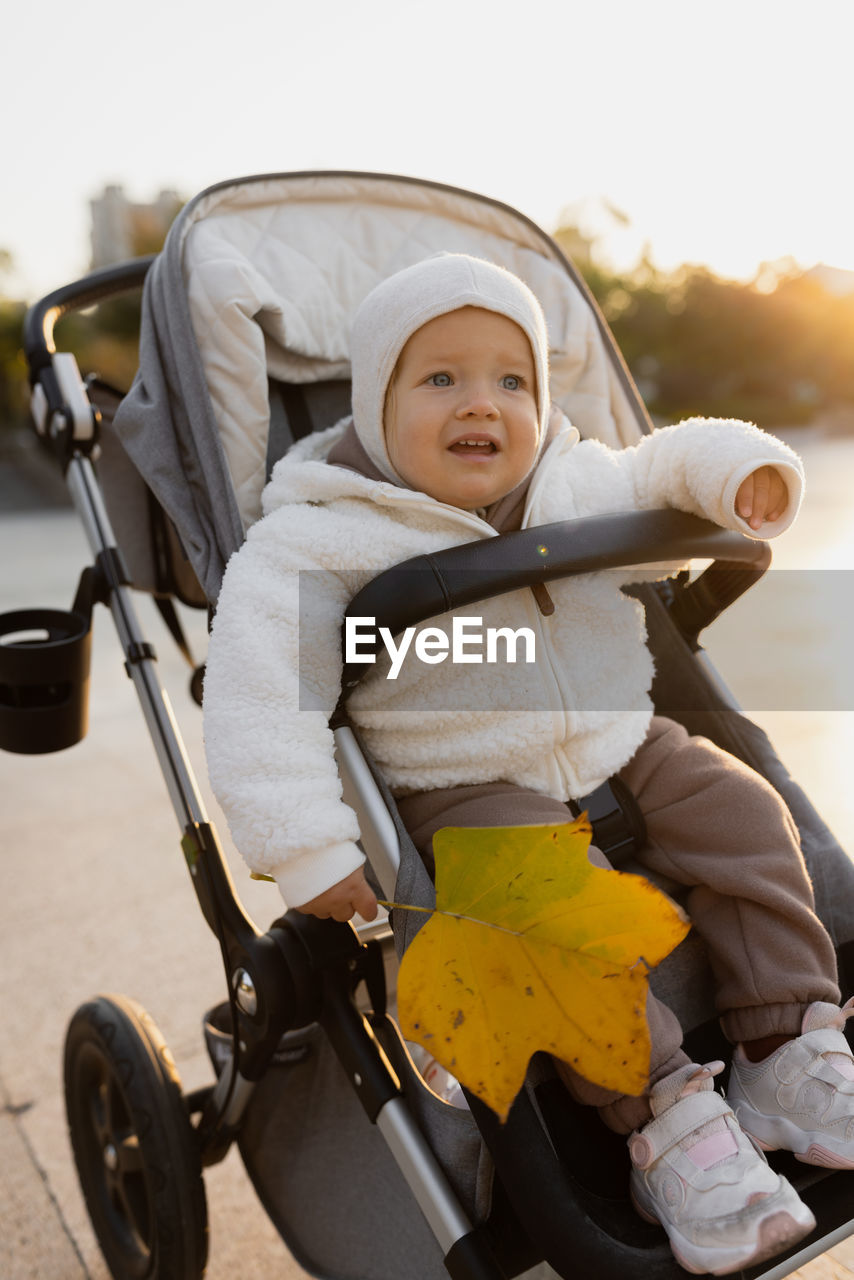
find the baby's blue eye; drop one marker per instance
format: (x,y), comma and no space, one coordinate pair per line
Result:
(440,379)
(511,382)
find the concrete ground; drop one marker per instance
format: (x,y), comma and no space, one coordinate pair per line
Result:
(94,895)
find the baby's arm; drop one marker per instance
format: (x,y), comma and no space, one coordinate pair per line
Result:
(348,897)
(266,709)
(716,468)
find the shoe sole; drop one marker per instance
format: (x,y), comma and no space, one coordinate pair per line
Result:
(775,1234)
(776,1133)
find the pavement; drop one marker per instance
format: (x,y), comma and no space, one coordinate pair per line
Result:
(94,897)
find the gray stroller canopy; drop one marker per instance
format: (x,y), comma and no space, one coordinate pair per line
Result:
(259,278)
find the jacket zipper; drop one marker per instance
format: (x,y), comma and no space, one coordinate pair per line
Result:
(561,717)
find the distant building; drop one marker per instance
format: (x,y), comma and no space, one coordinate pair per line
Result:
(833,279)
(122,229)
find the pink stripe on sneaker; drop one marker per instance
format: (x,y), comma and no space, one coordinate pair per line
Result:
(841,1062)
(712,1150)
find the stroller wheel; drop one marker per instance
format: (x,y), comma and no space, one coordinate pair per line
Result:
(136,1151)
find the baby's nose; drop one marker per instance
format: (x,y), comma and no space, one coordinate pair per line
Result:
(477,405)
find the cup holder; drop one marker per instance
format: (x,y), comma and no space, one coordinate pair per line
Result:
(44,679)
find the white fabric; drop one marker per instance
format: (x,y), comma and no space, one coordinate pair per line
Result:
(409,299)
(268,699)
(275,270)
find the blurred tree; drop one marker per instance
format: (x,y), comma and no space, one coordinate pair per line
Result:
(104,339)
(13,369)
(775,350)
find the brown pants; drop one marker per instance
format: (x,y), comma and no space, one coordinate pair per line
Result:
(720,829)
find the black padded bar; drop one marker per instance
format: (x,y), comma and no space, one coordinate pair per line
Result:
(428,585)
(109,282)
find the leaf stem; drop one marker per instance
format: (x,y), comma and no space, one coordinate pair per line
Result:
(451,915)
(403,906)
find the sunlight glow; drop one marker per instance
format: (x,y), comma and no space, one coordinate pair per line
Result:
(721,133)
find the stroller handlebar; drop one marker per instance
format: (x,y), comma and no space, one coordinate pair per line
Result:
(426,586)
(42,316)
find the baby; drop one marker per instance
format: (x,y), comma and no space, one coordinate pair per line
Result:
(453,438)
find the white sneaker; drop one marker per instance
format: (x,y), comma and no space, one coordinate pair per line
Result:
(696,1173)
(801,1098)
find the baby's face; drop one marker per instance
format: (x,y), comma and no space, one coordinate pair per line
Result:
(461,411)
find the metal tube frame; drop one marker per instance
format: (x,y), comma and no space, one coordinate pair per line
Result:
(141,667)
(174,763)
(426,1180)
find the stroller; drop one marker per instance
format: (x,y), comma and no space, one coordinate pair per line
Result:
(243,350)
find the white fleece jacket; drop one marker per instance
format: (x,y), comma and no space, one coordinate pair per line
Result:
(560,726)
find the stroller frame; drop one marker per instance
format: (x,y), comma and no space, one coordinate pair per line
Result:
(302,970)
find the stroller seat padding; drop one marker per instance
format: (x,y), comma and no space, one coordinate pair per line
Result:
(259,279)
(276,269)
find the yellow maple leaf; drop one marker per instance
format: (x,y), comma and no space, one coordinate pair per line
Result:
(530,948)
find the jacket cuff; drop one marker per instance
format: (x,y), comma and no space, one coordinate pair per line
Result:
(305,876)
(794,482)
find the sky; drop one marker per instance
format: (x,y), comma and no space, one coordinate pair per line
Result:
(721,131)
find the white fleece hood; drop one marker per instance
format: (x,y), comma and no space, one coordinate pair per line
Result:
(403,303)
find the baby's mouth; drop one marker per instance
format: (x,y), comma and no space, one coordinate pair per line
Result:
(475,448)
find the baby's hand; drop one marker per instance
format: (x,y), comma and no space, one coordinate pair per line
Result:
(344,899)
(762,496)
